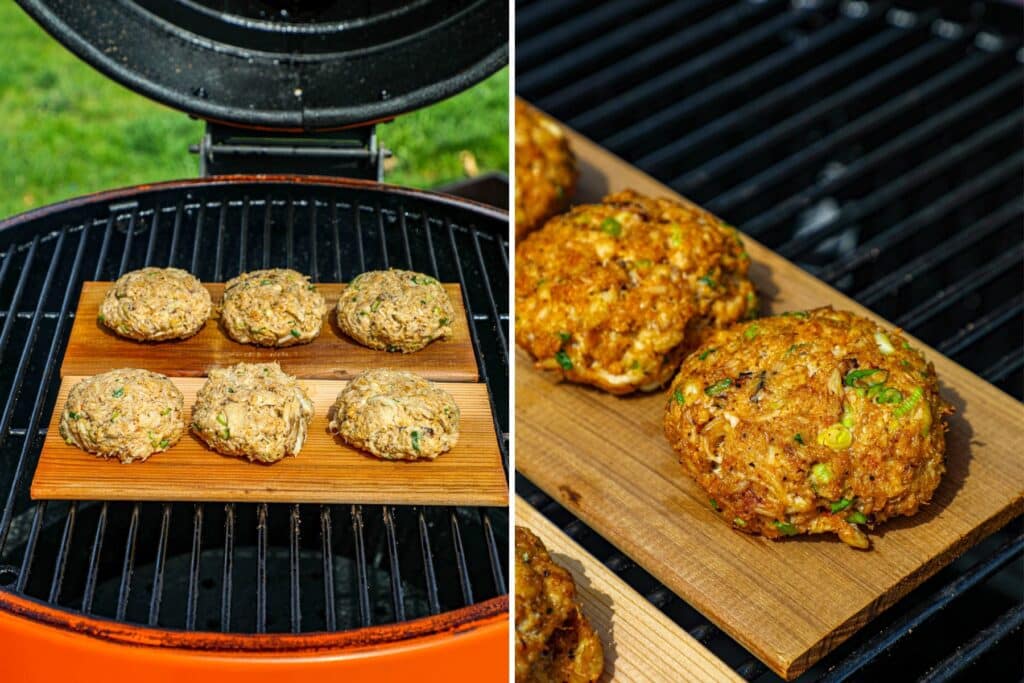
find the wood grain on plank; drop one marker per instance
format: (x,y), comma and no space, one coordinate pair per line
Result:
(325,471)
(640,643)
(92,348)
(789,602)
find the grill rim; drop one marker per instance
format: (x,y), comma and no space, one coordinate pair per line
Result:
(404,633)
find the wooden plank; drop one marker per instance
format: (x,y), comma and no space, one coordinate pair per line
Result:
(790,602)
(92,348)
(640,643)
(325,471)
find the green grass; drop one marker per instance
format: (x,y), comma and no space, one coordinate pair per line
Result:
(67,130)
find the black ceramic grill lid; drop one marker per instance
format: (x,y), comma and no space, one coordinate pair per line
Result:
(296,65)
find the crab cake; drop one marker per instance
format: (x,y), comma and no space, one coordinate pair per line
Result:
(613,294)
(809,422)
(127,414)
(554,641)
(545,169)
(395,310)
(253,411)
(396,416)
(277,307)
(155,304)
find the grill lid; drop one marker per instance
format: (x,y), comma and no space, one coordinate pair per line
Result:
(297,65)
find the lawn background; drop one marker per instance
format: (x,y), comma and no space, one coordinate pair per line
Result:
(68,130)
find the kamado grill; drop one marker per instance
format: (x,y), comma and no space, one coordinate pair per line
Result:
(255,590)
(878,145)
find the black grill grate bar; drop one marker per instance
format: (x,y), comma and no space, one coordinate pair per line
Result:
(314,271)
(294,570)
(531,49)
(92,575)
(154,228)
(397,593)
(556,70)
(337,240)
(654,125)
(382,235)
(19,291)
(359,239)
(362,579)
(612,78)
(197,242)
(931,606)
(1001,369)
(159,565)
(289,234)
(460,559)
(129,236)
(194,567)
(243,234)
(430,576)
(935,166)
(874,119)
(61,561)
(943,119)
(956,245)
(983,326)
(268,209)
(179,211)
(218,256)
(948,296)
(953,665)
(668,154)
(529,19)
(228,568)
(108,231)
(494,554)
(490,298)
(30,547)
(128,564)
(327,555)
(261,568)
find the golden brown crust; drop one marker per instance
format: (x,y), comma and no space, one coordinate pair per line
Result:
(545,169)
(554,641)
(613,294)
(811,422)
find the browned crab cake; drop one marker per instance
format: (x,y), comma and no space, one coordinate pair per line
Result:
(275,307)
(810,422)
(545,169)
(155,304)
(554,640)
(613,294)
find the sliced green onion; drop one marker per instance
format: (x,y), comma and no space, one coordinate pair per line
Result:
(265,282)
(311,288)
(714,505)
(565,337)
(101,318)
(165,412)
(884,345)
(718,387)
(847,419)
(909,402)
(738,522)
(164,443)
(704,354)
(644,263)
(679,397)
(114,415)
(799,438)
(751,332)
(821,473)
(796,314)
(836,436)
(857,518)
(296,333)
(563,359)
(889,395)
(611,226)
(416,441)
(676,236)
(785,528)
(222,418)
(859,378)
(708,280)
(73,415)
(119,392)
(227,433)
(375,305)
(443,322)
(840,505)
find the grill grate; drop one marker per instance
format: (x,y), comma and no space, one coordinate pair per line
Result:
(251,568)
(878,146)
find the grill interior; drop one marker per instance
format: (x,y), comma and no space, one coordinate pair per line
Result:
(878,146)
(248,568)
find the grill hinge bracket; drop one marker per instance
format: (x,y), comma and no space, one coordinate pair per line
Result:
(349,153)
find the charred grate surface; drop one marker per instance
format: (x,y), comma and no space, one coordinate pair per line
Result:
(878,146)
(249,568)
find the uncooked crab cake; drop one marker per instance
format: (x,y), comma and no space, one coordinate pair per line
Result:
(254,411)
(155,304)
(811,422)
(396,416)
(554,641)
(276,307)
(545,169)
(128,414)
(614,294)
(395,310)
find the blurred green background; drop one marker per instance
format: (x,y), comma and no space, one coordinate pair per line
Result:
(67,130)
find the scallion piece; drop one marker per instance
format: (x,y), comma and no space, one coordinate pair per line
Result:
(611,227)
(563,360)
(714,505)
(751,332)
(884,345)
(163,443)
(889,395)
(738,521)
(708,280)
(836,436)
(565,337)
(909,403)
(679,397)
(840,505)
(718,387)
(222,418)
(296,333)
(416,441)
(119,392)
(821,473)
(643,263)
(799,438)
(785,528)
(73,415)
(796,314)
(865,377)
(857,517)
